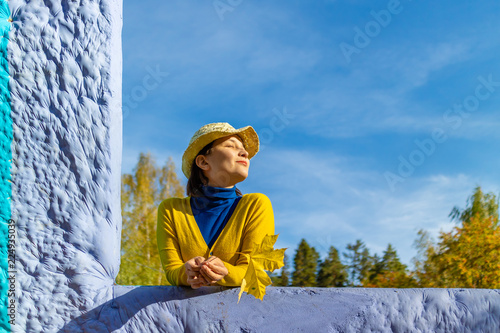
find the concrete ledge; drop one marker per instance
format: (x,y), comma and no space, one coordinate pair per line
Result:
(214,309)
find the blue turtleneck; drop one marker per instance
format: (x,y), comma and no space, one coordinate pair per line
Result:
(212,210)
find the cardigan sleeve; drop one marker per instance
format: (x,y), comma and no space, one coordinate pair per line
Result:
(258,224)
(169,249)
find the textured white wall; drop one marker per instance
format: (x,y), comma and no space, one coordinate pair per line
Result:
(65,67)
(333,310)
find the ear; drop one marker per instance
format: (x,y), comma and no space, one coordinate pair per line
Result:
(202,163)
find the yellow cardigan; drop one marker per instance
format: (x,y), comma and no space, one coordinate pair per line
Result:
(179,238)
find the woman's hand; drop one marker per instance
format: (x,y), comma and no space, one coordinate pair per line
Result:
(194,278)
(213,270)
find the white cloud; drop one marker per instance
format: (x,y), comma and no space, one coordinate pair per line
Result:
(238,52)
(328,201)
(376,95)
(411,64)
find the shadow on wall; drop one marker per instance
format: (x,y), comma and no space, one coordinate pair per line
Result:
(128,301)
(216,309)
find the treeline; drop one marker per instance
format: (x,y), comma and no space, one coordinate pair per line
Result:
(356,268)
(466,257)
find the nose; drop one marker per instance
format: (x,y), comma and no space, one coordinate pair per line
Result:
(243,153)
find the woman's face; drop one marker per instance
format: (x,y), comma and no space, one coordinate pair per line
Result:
(227,162)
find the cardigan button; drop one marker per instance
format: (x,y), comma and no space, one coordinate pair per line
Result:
(211,253)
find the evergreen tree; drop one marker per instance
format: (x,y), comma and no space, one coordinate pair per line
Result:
(359,262)
(391,262)
(305,265)
(389,272)
(332,273)
(141,194)
(376,269)
(283,279)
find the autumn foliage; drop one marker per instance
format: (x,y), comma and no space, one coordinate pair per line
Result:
(141,194)
(469,255)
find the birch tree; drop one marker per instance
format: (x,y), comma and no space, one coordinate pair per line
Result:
(141,194)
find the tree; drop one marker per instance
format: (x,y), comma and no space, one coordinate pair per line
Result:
(141,194)
(283,279)
(359,262)
(305,265)
(391,262)
(480,205)
(388,272)
(426,270)
(332,273)
(469,255)
(376,269)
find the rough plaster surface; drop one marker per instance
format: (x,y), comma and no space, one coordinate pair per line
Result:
(177,309)
(65,68)
(65,83)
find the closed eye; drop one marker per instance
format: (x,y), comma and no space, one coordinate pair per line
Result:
(233,146)
(234,143)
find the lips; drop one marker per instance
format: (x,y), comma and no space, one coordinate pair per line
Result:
(242,162)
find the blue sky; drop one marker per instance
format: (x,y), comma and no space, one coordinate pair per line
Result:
(376,117)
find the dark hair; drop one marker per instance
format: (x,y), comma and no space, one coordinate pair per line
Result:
(197,179)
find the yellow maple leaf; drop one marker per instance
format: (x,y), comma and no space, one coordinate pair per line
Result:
(262,258)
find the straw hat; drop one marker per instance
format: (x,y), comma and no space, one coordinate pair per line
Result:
(212,132)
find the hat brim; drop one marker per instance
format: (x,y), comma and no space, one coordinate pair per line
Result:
(247,134)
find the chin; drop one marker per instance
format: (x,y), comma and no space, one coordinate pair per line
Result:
(240,177)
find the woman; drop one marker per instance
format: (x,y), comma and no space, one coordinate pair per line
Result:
(200,237)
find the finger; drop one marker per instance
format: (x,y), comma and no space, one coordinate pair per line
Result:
(212,276)
(214,264)
(209,278)
(212,258)
(210,281)
(205,277)
(218,269)
(216,261)
(199,260)
(195,268)
(212,261)
(192,281)
(194,277)
(189,267)
(193,271)
(196,285)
